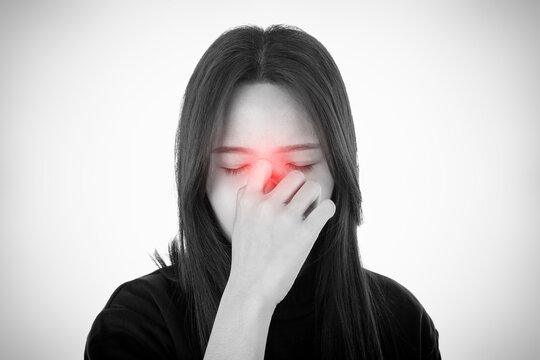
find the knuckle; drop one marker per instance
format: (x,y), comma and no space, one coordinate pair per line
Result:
(291,215)
(265,211)
(240,193)
(266,207)
(291,212)
(244,201)
(286,220)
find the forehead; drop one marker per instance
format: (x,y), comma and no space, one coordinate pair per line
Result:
(264,114)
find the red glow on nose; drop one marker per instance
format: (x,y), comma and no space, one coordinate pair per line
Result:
(269,186)
(278,172)
(279,169)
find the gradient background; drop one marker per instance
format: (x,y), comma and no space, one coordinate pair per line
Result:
(445,96)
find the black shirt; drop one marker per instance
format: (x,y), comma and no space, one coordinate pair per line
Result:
(144,319)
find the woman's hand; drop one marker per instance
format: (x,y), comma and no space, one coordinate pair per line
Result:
(270,238)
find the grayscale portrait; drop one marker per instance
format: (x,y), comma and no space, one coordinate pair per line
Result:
(295,180)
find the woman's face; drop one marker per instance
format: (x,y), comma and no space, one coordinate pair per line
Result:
(261,120)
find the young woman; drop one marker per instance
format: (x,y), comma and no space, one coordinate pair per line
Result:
(266,264)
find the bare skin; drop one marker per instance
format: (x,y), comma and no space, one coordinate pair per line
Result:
(263,208)
(271,242)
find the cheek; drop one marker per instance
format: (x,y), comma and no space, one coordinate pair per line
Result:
(219,186)
(221,192)
(223,187)
(322,175)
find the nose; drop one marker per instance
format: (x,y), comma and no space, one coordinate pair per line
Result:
(278,173)
(270,185)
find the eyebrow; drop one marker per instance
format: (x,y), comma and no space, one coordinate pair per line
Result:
(282,149)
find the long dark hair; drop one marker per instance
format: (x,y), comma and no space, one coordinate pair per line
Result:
(347,317)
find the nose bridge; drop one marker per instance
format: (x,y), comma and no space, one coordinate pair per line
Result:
(278,169)
(278,173)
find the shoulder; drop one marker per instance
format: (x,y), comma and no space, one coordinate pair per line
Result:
(156,288)
(393,293)
(139,320)
(403,318)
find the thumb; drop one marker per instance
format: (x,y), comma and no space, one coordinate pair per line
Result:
(259,174)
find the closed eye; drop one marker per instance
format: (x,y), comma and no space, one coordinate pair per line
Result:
(239,170)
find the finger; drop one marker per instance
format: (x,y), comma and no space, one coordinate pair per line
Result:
(269,185)
(303,199)
(320,215)
(258,175)
(288,186)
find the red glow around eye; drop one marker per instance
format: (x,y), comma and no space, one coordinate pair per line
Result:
(279,163)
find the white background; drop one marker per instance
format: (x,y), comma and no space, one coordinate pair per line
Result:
(445,97)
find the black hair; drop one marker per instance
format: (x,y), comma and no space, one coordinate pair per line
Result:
(347,316)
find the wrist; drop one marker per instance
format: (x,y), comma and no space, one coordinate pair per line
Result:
(236,294)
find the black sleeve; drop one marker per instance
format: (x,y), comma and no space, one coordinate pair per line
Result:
(131,326)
